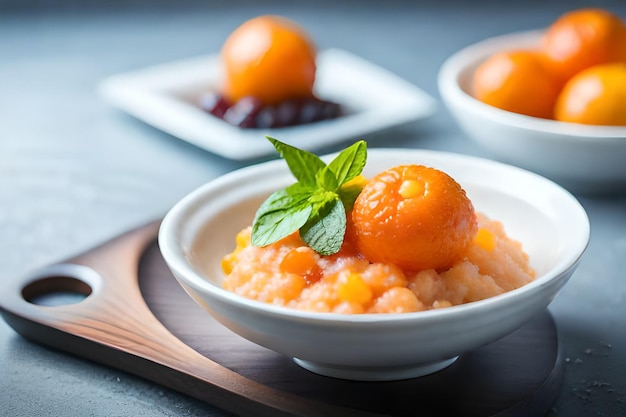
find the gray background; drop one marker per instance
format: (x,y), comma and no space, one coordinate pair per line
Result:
(74,171)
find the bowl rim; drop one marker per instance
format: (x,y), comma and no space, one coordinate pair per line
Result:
(185,272)
(471,55)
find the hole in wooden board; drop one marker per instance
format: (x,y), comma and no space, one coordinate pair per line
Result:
(56,291)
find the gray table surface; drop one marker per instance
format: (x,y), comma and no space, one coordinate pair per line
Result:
(74,171)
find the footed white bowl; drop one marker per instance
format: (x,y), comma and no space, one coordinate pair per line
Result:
(550,223)
(583,158)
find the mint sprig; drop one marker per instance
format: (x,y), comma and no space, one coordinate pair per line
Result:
(316,204)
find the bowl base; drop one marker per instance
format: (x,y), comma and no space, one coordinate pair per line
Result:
(374,373)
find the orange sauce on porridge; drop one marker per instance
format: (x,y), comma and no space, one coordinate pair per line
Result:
(289,273)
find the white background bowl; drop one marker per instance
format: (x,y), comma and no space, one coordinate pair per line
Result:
(550,223)
(583,158)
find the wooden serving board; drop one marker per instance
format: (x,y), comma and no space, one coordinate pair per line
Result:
(137,318)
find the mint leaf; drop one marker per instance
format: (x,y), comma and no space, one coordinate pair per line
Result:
(326,180)
(281,214)
(302,164)
(316,205)
(350,162)
(320,199)
(324,232)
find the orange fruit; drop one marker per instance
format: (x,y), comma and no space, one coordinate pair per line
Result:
(581,39)
(270,58)
(517,81)
(415,217)
(595,96)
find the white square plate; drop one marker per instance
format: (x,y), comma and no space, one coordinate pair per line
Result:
(165,97)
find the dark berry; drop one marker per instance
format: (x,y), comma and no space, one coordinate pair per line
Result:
(287,113)
(329,110)
(309,111)
(250,113)
(244,112)
(215,104)
(266,118)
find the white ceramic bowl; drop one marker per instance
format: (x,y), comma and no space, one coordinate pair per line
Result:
(583,158)
(550,223)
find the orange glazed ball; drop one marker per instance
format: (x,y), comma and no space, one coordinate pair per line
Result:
(581,39)
(516,81)
(270,58)
(415,217)
(595,96)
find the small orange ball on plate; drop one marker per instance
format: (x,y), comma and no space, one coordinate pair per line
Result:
(517,81)
(595,96)
(270,58)
(415,217)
